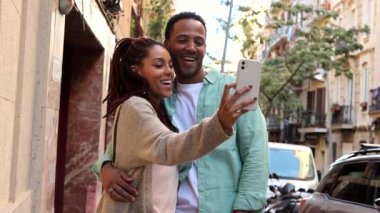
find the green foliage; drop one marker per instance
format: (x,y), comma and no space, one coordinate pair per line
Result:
(318,43)
(133,27)
(159,14)
(247,22)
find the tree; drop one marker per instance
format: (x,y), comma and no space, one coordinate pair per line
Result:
(318,43)
(159,14)
(248,22)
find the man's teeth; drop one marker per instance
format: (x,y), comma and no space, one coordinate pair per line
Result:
(189,58)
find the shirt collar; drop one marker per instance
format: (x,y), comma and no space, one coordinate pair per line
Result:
(210,78)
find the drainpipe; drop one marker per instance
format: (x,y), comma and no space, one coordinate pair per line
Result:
(329,121)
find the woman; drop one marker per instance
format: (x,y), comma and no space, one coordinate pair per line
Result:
(143,137)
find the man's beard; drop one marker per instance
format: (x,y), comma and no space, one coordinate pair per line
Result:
(180,69)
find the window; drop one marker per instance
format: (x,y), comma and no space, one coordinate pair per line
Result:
(339,19)
(351,179)
(334,151)
(299,164)
(374,185)
(367,19)
(320,106)
(364,83)
(310,101)
(326,183)
(316,101)
(299,20)
(351,22)
(337,89)
(348,96)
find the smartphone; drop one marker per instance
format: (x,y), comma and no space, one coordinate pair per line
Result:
(249,73)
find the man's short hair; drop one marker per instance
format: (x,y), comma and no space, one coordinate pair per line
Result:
(183,15)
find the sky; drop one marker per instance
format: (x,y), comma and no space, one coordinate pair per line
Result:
(211,10)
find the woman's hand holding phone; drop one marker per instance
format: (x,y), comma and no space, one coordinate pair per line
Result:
(249,73)
(230,109)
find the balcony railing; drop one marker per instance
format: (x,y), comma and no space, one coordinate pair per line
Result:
(313,119)
(291,133)
(273,123)
(283,32)
(343,115)
(375,100)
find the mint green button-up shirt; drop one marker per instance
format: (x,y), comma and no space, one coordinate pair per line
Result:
(235,174)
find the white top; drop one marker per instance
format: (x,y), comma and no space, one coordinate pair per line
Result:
(186,116)
(163,178)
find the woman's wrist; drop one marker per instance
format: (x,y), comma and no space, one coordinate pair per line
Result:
(229,131)
(226,128)
(107,163)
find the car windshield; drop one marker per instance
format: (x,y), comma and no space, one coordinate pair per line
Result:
(291,164)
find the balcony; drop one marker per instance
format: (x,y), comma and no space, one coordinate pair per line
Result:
(285,32)
(374,107)
(313,119)
(274,128)
(291,134)
(273,124)
(282,130)
(342,117)
(313,122)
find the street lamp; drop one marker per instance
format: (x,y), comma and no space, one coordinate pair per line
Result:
(228,25)
(65,6)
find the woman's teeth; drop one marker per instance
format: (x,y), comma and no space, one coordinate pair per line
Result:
(166,82)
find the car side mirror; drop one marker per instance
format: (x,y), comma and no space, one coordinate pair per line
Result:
(377,204)
(319,174)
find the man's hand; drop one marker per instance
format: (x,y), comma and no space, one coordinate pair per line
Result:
(117,183)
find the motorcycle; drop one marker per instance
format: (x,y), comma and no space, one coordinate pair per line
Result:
(286,199)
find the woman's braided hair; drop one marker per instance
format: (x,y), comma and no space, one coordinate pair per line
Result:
(124,82)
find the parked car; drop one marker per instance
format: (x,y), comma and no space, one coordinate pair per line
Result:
(293,164)
(351,185)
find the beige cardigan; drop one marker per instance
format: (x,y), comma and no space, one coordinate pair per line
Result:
(142,140)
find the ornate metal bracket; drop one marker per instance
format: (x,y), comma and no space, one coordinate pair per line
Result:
(111,10)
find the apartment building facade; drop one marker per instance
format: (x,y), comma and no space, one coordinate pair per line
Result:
(308,126)
(339,112)
(54,58)
(344,112)
(356,102)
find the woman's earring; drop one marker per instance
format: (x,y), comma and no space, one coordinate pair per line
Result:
(136,70)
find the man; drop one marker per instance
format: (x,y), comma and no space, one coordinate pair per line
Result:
(233,177)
